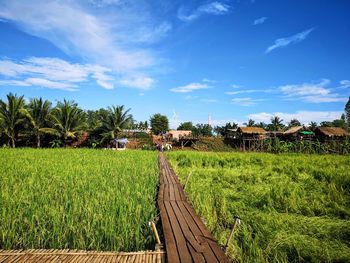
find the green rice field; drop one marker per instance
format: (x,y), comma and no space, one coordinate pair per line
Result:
(293,207)
(78,199)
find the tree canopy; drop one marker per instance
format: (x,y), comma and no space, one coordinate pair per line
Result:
(159,123)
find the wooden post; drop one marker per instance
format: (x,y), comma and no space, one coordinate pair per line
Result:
(155,232)
(236,223)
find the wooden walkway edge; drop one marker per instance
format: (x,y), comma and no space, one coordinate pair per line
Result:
(186,237)
(79,256)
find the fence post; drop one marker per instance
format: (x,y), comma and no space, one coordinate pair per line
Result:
(236,223)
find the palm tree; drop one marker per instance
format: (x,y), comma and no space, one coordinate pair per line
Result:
(37,113)
(313,125)
(12,117)
(250,123)
(276,123)
(113,123)
(294,122)
(68,120)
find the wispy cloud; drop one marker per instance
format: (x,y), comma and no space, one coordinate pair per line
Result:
(190,87)
(235,86)
(214,8)
(259,21)
(344,84)
(52,73)
(249,91)
(111,39)
(209,100)
(139,82)
(283,42)
(304,117)
(312,92)
(245,101)
(208,80)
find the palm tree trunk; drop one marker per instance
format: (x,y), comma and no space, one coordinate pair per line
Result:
(13,142)
(38,141)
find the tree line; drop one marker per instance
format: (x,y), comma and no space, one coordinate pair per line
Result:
(38,121)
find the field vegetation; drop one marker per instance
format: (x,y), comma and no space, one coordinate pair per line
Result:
(77,199)
(293,207)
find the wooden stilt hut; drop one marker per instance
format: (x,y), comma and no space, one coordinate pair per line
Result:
(298,133)
(251,138)
(327,134)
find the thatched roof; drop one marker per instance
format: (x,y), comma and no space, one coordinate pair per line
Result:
(252,130)
(295,129)
(333,131)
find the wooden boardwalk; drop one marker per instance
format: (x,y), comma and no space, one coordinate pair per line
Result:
(79,256)
(186,237)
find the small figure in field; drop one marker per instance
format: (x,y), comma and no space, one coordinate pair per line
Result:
(168,147)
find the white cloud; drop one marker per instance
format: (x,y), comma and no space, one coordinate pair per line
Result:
(52,73)
(311,92)
(259,21)
(304,117)
(108,37)
(38,82)
(190,87)
(214,8)
(209,100)
(235,86)
(140,82)
(282,42)
(208,80)
(249,91)
(245,101)
(344,83)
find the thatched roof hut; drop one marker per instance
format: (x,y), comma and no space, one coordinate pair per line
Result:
(294,130)
(299,132)
(251,130)
(251,133)
(331,133)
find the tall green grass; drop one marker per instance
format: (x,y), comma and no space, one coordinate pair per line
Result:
(78,199)
(293,207)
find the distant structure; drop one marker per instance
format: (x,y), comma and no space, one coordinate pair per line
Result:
(209,120)
(326,134)
(178,134)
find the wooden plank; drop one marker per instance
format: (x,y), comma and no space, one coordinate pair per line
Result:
(184,254)
(220,255)
(170,243)
(171,192)
(186,229)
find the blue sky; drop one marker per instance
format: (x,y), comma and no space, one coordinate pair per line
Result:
(232,59)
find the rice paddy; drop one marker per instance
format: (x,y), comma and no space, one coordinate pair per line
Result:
(293,207)
(77,199)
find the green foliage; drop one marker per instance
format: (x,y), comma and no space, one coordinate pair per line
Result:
(223,130)
(294,208)
(347,113)
(250,123)
(77,199)
(186,126)
(203,130)
(12,117)
(68,120)
(276,124)
(37,113)
(159,123)
(294,122)
(116,119)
